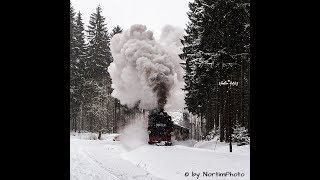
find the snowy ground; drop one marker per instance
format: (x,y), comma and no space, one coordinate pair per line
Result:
(110,160)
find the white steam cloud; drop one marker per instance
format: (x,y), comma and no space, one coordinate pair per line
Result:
(145,71)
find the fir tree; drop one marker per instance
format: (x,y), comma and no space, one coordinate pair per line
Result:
(216,48)
(72,27)
(77,69)
(97,84)
(98,57)
(73,104)
(190,47)
(116,30)
(240,135)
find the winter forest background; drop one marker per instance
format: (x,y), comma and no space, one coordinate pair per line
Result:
(216,48)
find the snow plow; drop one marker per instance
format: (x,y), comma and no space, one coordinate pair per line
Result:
(160,128)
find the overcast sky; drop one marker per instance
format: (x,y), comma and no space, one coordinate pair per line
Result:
(152,13)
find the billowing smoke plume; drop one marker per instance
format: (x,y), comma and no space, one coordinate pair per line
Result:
(171,37)
(145,71)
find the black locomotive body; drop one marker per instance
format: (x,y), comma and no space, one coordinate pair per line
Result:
(160,128)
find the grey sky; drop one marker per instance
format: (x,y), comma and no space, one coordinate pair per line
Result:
(152,13)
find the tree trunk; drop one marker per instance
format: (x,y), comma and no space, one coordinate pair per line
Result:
(222,117)
(230,117)
(81,118)
(115,116)
(99,137)
(119,115)
(227,119)
(216,105)
(241,97)
(91,122)
(75,123)
(217,117)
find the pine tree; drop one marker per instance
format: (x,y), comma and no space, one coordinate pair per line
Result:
(99,56)
(190,46)
(216,48)
(196,83)
(97,82)
(240,135)
(77,70)
(72,27)
(80,38)
(116,30)
(72,59)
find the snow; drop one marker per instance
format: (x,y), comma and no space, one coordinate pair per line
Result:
(188,143)
(92,136)
(176,116)
(111,160)
(172,163)
(100,160)
(221,147)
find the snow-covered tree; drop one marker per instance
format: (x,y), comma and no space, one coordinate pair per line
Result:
(97,82)
(240,135)
(72,27)
(101,107)
(77,71)
(190,47)
(98,52)
(213,135)
(216,48)
(73,103)
(91,105)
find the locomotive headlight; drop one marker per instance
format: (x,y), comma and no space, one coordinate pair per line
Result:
(149,132)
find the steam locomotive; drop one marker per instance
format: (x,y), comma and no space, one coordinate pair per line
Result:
(160,128)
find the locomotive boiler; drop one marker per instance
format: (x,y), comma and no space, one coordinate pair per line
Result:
(160,128)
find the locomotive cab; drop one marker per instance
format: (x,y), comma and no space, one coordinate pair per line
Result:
(160,128)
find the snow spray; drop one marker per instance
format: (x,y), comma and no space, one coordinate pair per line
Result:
(134,134)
